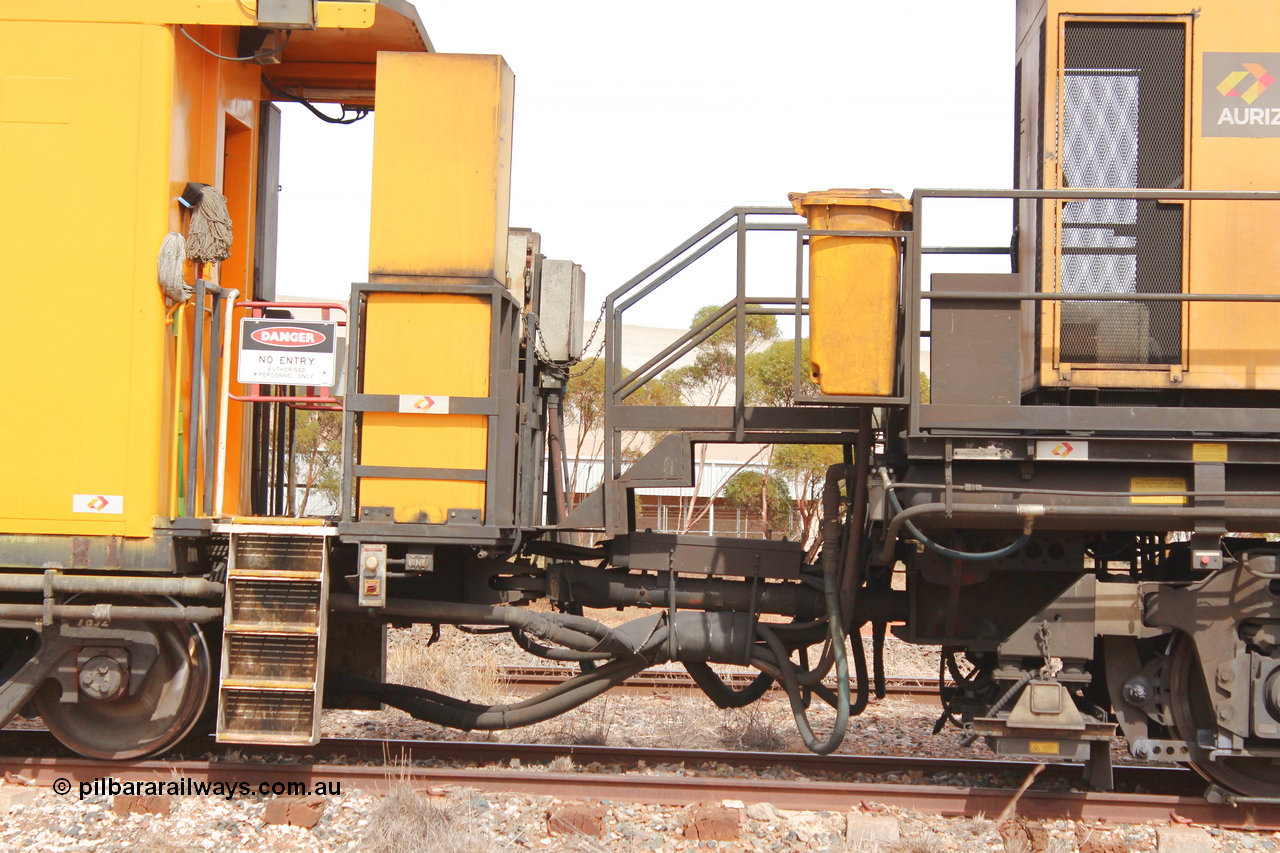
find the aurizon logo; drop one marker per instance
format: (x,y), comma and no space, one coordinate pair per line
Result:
(1231,84)
(288,336)
(98,503)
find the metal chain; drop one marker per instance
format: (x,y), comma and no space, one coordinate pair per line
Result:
(540,348)
(1042,643)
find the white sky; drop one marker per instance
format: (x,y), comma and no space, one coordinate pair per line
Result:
(637,124)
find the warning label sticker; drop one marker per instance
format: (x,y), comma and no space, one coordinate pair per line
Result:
(1156,485)
(287,352)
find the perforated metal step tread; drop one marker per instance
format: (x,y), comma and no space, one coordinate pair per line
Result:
(275,625)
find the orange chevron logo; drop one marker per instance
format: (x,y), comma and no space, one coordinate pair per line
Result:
(1231,85)
(98,503)
(424,404)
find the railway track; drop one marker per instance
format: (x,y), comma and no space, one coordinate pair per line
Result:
(533,679)
(668,777)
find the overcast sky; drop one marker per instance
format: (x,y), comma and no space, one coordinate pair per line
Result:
(636,124)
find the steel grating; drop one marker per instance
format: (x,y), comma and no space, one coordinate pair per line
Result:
(1122,127)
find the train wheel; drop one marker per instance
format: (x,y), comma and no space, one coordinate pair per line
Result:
(109,723)
(1192,711)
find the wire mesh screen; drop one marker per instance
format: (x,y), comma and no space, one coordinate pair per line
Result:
(1122,127)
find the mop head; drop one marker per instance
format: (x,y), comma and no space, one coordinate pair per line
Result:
(209,238)
(173,251)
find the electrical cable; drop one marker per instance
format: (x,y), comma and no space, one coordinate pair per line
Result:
(548,653)
(722,694)
(357,113)
(456,713)
(942,550)
(257,56)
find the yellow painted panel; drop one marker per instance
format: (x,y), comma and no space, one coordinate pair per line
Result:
(441,166)
(358,14)
(435,344)
(79,108)
(1230,245)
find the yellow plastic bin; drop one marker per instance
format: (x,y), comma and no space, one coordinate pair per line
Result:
(853,289)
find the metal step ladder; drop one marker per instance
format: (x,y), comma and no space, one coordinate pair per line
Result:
(275,621)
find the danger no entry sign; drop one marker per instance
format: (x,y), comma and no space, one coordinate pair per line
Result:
(287,352)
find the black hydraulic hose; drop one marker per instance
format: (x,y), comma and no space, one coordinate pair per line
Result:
(548,653)
(574,632)
(722,694)
(877,657)
(860,672)
(447,711)
(787,671)
(972,556)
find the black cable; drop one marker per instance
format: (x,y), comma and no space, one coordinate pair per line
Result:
(1012,548)
(266,53)
(548,653)
(357,113)
(481,631)
(722,694)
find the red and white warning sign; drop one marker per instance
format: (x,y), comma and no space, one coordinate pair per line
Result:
(422,404)
(287,352)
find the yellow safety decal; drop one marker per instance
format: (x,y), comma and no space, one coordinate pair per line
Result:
(1043,747)
(1209,453)
(1156,486)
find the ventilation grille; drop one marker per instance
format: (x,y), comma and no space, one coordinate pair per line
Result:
(1122,127)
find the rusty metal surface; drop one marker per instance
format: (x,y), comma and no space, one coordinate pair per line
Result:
(533,679)
(674,790)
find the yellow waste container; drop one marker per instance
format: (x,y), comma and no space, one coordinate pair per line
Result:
(853,289)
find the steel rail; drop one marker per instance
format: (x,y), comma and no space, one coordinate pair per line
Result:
(791,793)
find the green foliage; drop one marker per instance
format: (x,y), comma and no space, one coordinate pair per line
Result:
(715,360)
(805,464)
(925,388)
(755,492)
(317,453)
(771,373)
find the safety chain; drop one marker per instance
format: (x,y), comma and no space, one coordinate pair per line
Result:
(1051,667)
(540,348)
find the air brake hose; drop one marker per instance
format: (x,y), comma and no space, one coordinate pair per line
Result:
(722,694)
(942,550)
(455,713)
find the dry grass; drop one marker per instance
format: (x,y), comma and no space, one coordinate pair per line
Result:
(458,664)
(154,841)
(406,822)
(586,726)
(750,729)
(930,843)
